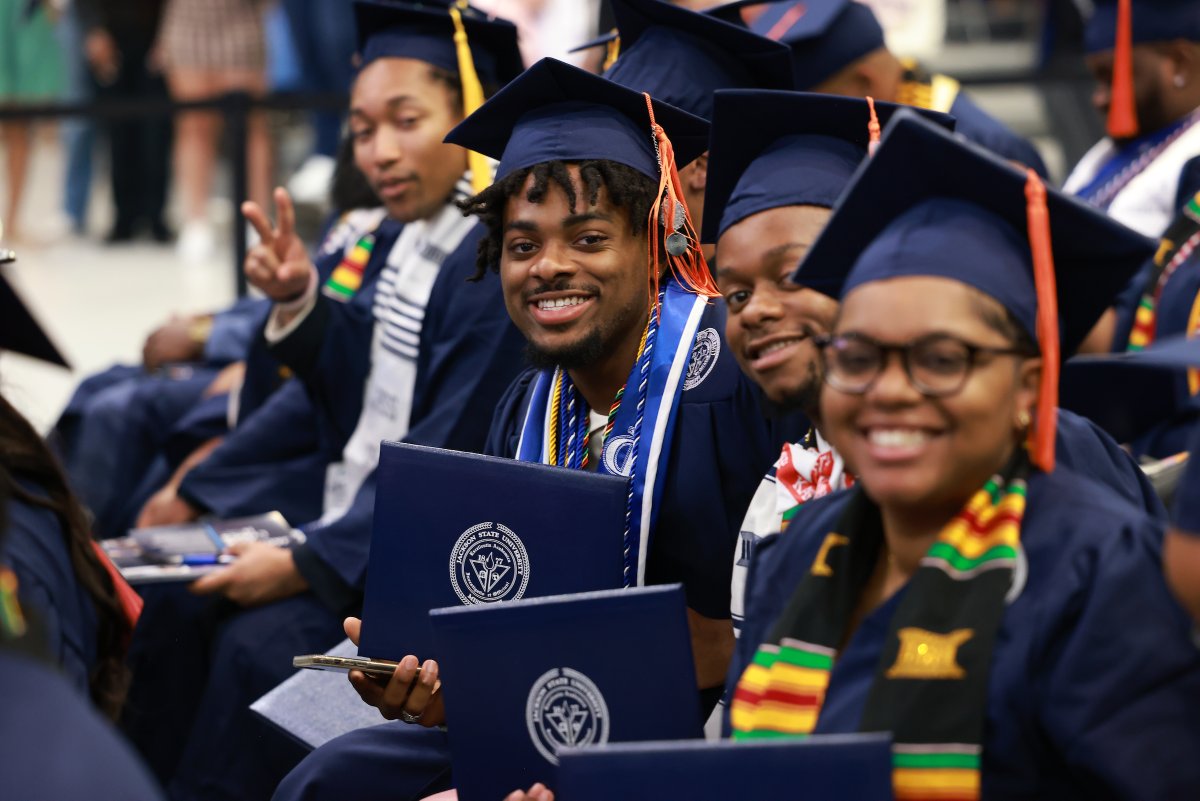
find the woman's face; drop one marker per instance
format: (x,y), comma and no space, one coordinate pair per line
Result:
(910,451)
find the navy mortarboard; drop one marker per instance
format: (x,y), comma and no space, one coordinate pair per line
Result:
(481,50)
(556,112)
(19,331)
(928,204)
(682,57)
(824,36)
(1117,25)
(770,149)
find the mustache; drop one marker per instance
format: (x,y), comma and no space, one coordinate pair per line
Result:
(561,285)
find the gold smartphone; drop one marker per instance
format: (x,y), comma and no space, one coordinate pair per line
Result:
(372,667)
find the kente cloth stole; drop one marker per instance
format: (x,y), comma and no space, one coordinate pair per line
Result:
(642,427)
(1175,247)
(921,89)
(930,685)
(347,277)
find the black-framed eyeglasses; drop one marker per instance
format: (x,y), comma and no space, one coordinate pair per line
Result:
(937,365)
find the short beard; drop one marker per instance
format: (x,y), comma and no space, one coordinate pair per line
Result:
(581,354)
(805,398)
(591,349)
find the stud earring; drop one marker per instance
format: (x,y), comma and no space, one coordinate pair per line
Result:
(1023,420)
(1180,82)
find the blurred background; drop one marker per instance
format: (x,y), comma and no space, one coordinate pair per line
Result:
(121,204)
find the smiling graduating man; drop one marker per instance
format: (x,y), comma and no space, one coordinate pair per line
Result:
(602,273)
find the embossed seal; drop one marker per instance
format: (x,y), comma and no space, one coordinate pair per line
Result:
(565,708)
(705,351)
(489,563)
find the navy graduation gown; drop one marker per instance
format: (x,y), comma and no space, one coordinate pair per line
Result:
(53,745)
(36,550)
(722,445)
(980,127)
(1094,677)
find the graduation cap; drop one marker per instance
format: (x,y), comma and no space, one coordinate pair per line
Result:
(682,56)
(19,331)
(558,112)
(770,149)
(824,35)
(929,204)
(1118,25)
(450,35)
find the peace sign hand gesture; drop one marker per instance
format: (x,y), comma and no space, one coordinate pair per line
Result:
(279,264)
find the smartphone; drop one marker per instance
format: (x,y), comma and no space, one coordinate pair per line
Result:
(372,667)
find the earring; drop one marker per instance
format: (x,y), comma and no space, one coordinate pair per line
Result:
(1024,420)
(1180,81)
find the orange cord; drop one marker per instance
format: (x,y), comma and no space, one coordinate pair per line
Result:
(690,268)
(1122,113)
(1038,218)
(873,128)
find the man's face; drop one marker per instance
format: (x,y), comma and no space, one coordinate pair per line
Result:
(399,114)
(1152,74)
(771,320)
(574,279)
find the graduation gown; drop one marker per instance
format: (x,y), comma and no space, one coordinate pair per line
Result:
(54,745)
(1094,676)
(35,549)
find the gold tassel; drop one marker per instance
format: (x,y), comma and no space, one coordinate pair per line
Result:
(611,52)
(472,92)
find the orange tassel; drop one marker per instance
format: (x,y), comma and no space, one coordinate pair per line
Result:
(690,267)
(873,128)
(1122,113)
(1041,436)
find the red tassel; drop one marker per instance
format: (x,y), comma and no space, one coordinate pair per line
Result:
(1122,111)
(689,268)
(873,128)
(1042,434)
(131,602)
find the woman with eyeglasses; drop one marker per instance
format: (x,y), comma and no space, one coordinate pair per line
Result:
(1003,618)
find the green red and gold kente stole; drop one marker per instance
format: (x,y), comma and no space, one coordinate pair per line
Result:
(930,685)
(347,277)
(1175,247)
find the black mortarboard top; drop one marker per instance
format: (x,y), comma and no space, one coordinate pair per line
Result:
(425,31)
(770,149)
(19,331)
(682,57)
(557,112)
(1153,21)
(928,203)
(824,36)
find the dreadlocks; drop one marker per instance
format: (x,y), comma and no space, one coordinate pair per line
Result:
(627,189)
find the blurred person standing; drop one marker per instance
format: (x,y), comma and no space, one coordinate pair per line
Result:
(30,70)
(118,45)
(77,134)
(209,48)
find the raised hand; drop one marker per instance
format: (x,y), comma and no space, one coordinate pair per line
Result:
(279,264)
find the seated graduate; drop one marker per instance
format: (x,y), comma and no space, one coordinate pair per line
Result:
(1145,58)
(967,588)
(423,357)
(838,48)
(602,273)
(48,555)
(779,162)
(53,744)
